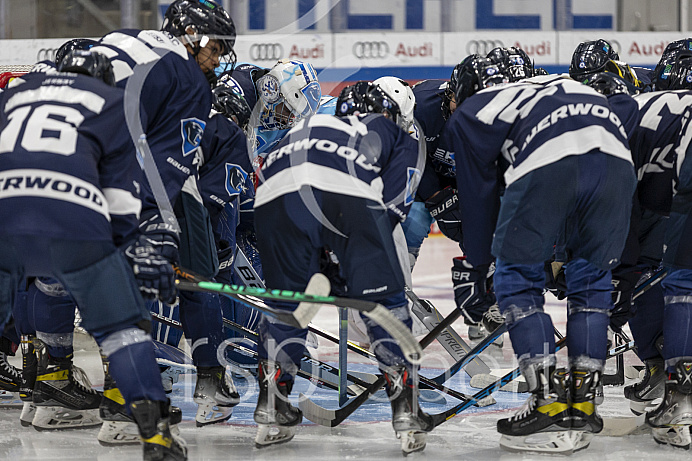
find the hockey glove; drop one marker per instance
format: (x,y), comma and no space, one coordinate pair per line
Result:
(444,207)
(624,282)
(162,237)
(472,289)
(154,274)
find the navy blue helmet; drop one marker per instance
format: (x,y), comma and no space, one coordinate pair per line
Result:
(365,97)
(90,63)
(591,57)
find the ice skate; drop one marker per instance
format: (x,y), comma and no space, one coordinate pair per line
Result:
(153,422)
(644,396)
(10,376)
(62,401)
(672,419)
(215,395)
(543,423)
(410,423)
(584,389)
(492,319)
(477,332)
(274,414)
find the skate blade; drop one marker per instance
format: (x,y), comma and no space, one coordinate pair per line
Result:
(412,441)
(559,442)
(268,435)
(675,436)
(639,408)
(58,418)
(27,415)
(212,414)
(118,433)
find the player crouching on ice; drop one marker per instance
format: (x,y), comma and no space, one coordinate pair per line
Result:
(343,183)
(530,133)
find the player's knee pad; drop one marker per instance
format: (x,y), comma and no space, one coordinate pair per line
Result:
(92,288)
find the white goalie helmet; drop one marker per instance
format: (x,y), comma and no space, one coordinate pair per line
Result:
(402,94)
(289,92)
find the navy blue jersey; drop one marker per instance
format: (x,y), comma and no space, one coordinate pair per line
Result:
(68,166)
(364,156)
(652,142)
(502,133)
(428,112)
(174,100)
(225,173)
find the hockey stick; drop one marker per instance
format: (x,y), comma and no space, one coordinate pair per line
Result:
(488,390)
(308,364)
(425,382)
(449,338)
(332,418)
(302,316)
(641,289)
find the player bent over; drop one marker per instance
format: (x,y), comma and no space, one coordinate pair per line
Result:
(338,183)
(530,132)
(73,201)
(672,420)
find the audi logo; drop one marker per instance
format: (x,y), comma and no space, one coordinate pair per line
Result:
(482,47)
(266,51)
(46,54)
(370,50)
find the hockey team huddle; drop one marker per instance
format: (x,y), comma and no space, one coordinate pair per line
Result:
(139,168)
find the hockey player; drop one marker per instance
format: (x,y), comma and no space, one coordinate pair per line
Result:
(672,420)
(168,72)
(652,144)
(436,196)
(340,183)
(572,137)
(595,56)
(71,200)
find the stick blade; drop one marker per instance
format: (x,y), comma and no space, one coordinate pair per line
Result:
(317,286)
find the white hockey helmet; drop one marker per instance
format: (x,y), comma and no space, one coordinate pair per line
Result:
(402,94)
(289,92)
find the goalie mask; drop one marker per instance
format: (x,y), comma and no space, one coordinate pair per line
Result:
(91,63)
(209,21)
(402,94)
(288,93)
(591,57)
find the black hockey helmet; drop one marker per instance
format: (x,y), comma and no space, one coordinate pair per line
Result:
(231,104)
(590,57)
(365,97)
(674,73)
(88,62)
(475,73)
(678,49)
(609,83)
(517,63)
(71,45)
(208,20)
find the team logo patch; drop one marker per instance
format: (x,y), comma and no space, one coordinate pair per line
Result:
(269,88)
(235,179)
(413,176)
(192,130)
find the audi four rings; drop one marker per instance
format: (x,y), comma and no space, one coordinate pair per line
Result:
(46,54)
(266,51)
(370,50)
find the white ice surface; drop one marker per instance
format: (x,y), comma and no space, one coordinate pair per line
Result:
(368,434)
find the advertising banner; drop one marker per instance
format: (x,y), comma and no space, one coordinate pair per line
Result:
(387,50)
(540,46)
(264,50)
